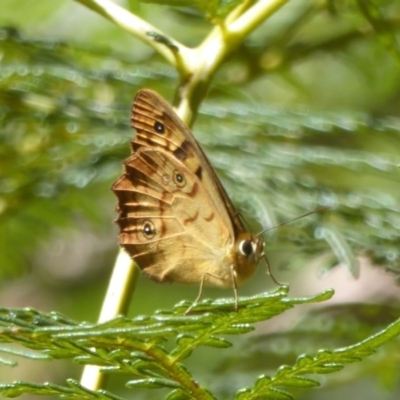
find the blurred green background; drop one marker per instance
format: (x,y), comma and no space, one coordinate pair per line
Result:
(305,114)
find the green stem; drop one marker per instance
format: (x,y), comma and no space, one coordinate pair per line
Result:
(165,45)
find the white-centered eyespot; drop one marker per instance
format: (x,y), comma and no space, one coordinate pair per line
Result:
(179,179)
(148,229)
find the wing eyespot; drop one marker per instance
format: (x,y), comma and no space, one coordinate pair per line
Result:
(148,229)
(179,179)
(159,127)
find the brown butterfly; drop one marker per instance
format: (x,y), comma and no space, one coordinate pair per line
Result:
(176,219)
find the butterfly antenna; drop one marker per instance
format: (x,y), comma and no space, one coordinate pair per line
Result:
(294,219)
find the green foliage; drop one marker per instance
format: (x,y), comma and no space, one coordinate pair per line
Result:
(324,362)
(69,129)
(304,114)
(58,124)
(139,346)
(73,391)
(153,348)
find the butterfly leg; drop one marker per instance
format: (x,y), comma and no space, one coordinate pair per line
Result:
(234,283)
(203,279)
(269,272)
(198,296)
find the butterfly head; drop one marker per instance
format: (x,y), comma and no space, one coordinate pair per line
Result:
(249,249)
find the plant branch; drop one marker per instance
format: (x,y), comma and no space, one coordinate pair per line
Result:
(216,47)
(115,302)
(255,16)
(173,51)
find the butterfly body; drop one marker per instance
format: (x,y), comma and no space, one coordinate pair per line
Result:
(176,220)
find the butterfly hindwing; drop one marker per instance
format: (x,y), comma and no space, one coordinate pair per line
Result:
(163,224)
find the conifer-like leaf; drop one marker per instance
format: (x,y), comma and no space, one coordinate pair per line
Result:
(122,345)
(136,346)
(324,362)
(73,391)
(152,383)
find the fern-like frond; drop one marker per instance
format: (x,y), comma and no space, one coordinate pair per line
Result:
(324,362)
(139,346)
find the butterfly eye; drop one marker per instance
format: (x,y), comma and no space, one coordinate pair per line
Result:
(246,247)
(148,230)
(159,127)
(179,179)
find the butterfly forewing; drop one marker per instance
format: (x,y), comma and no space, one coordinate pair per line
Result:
(149,112)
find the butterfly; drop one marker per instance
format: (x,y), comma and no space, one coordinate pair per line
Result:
(175,217)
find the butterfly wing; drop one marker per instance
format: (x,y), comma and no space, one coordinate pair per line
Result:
(158,126)
(173,217)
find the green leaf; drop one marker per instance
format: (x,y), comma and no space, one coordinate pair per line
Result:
(73,391)
(326,368)
(214,341)
(152,383)
(176,395)
(323,363)
(301,382)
